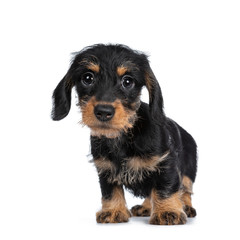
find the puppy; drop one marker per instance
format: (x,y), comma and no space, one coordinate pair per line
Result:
(133,144)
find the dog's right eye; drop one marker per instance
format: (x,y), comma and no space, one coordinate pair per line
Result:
(87,79)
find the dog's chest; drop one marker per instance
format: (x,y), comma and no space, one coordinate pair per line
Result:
(129,171)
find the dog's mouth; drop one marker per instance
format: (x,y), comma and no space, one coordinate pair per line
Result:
(107,119)
(107,132)
(110,130)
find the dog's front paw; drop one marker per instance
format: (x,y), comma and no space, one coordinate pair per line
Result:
(168,218)
(113,216)
(140,210)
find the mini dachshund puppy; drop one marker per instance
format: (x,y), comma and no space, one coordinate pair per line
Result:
(133,144)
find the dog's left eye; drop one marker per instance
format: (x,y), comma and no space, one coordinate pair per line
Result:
(87,79)
(127,82)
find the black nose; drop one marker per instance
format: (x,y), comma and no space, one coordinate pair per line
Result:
(104,112)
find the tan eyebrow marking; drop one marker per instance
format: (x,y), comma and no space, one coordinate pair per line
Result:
(90,65)
(121,70)
(126,67)
(94,67)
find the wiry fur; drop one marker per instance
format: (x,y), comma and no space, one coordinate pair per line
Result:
(132,170)
(133,144)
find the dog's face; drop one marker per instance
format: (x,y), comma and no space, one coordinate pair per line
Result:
(108,80)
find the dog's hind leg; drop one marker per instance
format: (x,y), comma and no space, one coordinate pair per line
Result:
(186,197)
(143,210)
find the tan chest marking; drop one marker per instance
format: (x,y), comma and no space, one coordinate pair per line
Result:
(139,168)
(146,164)
(132,170)
(103,165)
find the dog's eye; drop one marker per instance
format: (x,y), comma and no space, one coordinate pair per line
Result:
(87,79)
(127,82)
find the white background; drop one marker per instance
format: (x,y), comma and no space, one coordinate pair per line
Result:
(48,188)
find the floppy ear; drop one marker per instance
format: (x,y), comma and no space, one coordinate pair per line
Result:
(155,96)
(62,99)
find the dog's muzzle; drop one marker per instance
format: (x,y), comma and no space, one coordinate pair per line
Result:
(104,112)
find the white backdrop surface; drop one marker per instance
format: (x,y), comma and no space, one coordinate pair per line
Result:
(48,188)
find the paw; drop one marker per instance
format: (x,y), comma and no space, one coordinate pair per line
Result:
(190,211)
(168,218)
(113,216)
(140,210)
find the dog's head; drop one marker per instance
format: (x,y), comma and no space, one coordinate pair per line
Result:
(108,80)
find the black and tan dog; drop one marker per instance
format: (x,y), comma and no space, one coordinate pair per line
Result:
(133,144)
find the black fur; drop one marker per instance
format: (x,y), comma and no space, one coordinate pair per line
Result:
(152,133)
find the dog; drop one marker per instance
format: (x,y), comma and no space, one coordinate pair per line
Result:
(133,143)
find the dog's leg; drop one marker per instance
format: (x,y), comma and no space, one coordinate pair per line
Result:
(167,211)
(186,197)
(143,210)
(114,209)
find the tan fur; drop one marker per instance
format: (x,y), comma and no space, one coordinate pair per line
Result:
(117,200)
(133,170)
(187,184)
(148,164)
(167,211)
(142,210)
(121,70)
(109,133)
(90,65)
(171,204)
(126,67)
(88,117)
(103,164)
(186,191)
(186,199)
(94,67)
(138,168)
(147,203)
(114,210)
(123,119)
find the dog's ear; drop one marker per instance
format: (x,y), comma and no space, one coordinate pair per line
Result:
(62,98)
(155,96)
